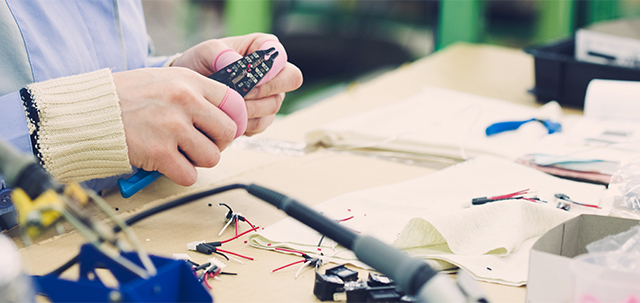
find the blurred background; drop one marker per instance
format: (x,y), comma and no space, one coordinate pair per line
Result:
(339,42)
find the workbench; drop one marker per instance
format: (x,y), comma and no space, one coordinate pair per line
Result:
(312,178)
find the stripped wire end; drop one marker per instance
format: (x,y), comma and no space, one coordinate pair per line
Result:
(232,217)
(307,261)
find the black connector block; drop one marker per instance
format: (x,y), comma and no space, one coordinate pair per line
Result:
(375,280)
(344,273)
(326,285)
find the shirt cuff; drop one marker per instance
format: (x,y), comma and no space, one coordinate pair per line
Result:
(76,127)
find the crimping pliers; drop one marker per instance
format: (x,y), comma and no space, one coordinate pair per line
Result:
(242,76)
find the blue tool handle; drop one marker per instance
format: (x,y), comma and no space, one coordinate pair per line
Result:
(552,127)
(137,182)
(505,126)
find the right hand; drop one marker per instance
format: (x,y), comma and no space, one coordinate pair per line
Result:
(172,121)
(262,102)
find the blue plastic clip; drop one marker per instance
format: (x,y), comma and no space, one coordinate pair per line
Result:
(174,282)
(500,127)
(137,182)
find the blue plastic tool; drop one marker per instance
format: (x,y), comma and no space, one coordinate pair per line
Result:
(138,181)
(174,282)
(500,127)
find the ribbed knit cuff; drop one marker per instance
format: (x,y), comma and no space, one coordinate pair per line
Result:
(76,126)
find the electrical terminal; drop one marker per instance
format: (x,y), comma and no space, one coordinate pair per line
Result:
(214,247)
(216,262)
(232,217)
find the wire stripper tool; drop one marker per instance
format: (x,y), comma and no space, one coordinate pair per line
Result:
(241,76)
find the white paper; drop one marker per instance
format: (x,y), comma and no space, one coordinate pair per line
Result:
(612,100)
(443,197)
(445,123)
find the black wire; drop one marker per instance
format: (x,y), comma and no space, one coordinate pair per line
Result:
(150,212)
(215,251)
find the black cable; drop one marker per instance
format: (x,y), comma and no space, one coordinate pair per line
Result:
(150,212)
(305,215)
(178,202)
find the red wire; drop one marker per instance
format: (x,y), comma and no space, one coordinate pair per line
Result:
(587,205)
(212,275)
(235,237)
(288,265)
(205,279)
(250,224)
(343,220)
(235,254)
(289,250)
(520,192)
(217,273)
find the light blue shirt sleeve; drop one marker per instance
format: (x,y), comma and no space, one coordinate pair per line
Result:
(13,122)
(57,38)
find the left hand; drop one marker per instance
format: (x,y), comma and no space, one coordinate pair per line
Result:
(264,101)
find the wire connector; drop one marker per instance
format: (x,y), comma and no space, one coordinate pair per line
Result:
(192,245)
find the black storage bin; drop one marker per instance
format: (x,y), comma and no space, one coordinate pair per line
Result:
(558,76)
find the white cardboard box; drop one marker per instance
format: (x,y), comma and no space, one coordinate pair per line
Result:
(549,276)
(613,42)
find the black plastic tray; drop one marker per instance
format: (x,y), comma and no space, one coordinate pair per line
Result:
(558,76)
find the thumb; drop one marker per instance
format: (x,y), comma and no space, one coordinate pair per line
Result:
(224,58)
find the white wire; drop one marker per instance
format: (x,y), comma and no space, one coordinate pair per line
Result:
(224,227)
(235,259)
(300,268)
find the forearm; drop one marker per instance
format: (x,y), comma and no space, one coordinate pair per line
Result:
(75,126)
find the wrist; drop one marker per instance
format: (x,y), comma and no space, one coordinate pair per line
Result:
(76,127)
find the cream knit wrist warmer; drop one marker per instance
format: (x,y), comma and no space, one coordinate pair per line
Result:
(76,126)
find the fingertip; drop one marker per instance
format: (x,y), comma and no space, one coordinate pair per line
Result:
(182,172)
(234,106)
(189,177)
(225,58)
(279,62)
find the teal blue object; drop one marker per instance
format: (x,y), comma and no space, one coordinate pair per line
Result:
(500,127)
(174,282)
(142,178)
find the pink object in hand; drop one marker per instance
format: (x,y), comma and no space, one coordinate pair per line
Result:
(279,62)
(234,106)
(225,58)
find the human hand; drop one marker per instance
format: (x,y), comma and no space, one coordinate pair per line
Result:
(172,121)
(264,101)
